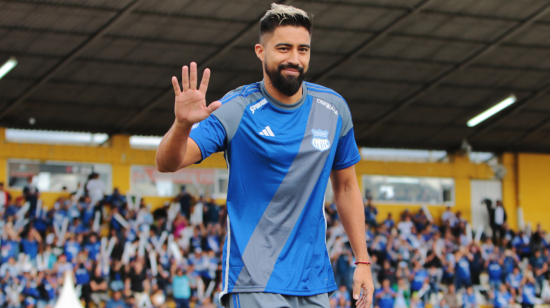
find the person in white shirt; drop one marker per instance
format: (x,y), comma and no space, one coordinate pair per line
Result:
(405,227)
(449,216)
(95,188)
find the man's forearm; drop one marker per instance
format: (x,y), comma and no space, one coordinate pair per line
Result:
(349,204)
(172,148)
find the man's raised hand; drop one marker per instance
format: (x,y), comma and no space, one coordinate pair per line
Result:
(190,106)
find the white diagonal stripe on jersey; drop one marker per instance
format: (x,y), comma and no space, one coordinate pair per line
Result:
(262,133)
(265,132)
(270,131)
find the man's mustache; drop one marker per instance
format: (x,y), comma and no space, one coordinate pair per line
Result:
(291,66)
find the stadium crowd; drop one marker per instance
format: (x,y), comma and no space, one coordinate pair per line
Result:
(120,254)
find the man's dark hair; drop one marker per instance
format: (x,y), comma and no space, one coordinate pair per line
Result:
(284,15)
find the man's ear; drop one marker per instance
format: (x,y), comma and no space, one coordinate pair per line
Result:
(260,52)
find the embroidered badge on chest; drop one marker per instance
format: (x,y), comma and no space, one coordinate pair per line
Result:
(320,139)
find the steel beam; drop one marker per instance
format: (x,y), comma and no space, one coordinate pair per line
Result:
(371,40)
(70,57)
(168,93)
(317,27)
(65,5)
(517,141)
(457,68)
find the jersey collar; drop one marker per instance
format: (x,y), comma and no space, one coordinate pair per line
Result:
(280,105)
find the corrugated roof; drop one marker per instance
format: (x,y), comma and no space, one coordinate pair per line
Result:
(396,53)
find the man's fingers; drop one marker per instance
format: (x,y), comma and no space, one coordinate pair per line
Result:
(367,299)
(356,291)
(193,76)
(214,105)
(364,300)
(185,78)
(176,86)
(205,80)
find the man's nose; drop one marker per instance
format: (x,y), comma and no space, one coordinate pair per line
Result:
(293,58)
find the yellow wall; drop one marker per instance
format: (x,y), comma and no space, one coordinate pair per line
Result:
(524,185)
(117,153)
(458,168)
(510,188)
(534,188)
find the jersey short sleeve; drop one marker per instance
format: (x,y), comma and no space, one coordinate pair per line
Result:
(347,153)
(209,135)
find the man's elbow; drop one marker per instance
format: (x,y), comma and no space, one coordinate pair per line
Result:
(162,167)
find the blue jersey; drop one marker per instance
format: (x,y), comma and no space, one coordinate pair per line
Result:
(469,300)
(93,250)
(502,299)
(82,275)
(463,268)
(495,271)
(418,280)
(387,299)
(72,248)
(30,248)
(50,290)
(514,280)
(279,158)
(9,249)
(529,296)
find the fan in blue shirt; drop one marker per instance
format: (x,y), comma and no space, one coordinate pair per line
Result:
(93,247)
(30,243)
(418,277)
(528,292)
(385,296)
(72,248)
(502,297)
(514,279)
(494,267)
(463,275)
(469,298)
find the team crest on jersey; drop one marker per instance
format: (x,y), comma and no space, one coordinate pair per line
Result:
(320,139)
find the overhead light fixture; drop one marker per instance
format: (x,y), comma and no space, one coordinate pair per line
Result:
(7,67)
(491,111)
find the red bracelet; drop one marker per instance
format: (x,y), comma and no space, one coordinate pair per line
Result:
(359,262)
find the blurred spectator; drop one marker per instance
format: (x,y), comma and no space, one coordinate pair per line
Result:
(389,222)
(127,256)
(451,297)
(98,287)
(116,301)
(5,197)
(469,298)
(184,199)
(95,188)
(370,213)
(448,216)
(181,287)
(498,222)
(385,296)
(31,194)
(527,292)
(211,213)
(502,297)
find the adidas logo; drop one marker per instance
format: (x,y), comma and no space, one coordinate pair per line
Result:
(267,132)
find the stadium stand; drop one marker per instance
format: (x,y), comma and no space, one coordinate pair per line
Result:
(120,254)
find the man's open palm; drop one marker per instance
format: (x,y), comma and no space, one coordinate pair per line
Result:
(190,106)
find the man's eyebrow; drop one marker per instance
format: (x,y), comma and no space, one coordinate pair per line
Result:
(290,45)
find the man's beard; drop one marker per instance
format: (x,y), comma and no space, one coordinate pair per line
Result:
(288,85)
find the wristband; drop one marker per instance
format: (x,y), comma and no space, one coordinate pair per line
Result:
(359,262)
